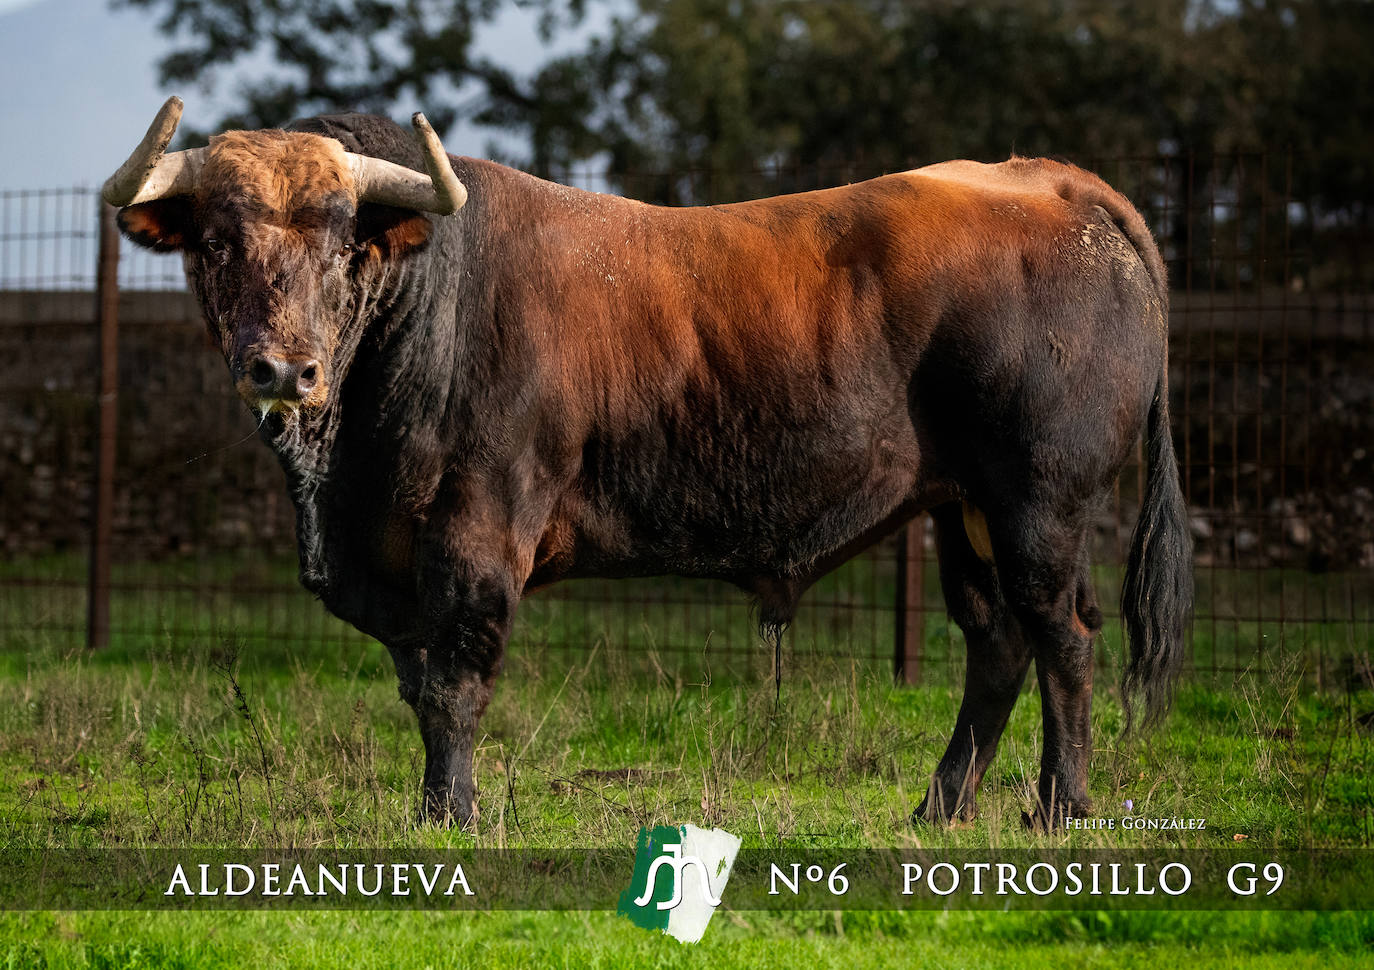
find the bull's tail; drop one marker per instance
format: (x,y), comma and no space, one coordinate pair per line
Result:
(1157,596)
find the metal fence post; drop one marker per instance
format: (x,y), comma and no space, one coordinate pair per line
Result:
(911,617)
(107,403)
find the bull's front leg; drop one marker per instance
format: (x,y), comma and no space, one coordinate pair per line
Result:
(449,694)
(448,672)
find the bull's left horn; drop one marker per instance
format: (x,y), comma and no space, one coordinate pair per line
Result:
(439,191)
(150,173)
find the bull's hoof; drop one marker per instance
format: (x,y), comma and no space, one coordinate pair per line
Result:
(1057,817)
(935,810)
(444,812)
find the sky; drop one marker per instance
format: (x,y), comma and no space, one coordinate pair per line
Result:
(80,83)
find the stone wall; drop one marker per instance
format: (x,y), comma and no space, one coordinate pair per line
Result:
(185,480)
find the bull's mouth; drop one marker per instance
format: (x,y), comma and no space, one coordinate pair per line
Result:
(282,427)
(279,421)
(284,423)
(263,407)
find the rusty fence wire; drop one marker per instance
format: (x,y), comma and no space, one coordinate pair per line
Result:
(1272,397)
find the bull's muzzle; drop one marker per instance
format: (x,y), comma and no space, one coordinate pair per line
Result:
(271,382)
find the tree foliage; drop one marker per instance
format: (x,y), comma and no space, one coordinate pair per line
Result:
(287,58)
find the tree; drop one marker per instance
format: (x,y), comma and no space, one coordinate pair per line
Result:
(297,57)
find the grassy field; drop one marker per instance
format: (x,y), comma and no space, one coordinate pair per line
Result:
(227,736)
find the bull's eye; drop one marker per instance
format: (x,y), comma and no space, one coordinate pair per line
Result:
(214,246)
(346,250)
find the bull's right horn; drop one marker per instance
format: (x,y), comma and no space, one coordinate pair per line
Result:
(150,173)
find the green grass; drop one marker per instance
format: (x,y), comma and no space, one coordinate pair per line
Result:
(854,941)
(156,750)
(147,744)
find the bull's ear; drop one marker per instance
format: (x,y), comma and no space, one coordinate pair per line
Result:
(391,233)
(162,225)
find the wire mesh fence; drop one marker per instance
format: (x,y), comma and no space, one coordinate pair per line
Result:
(1272,394)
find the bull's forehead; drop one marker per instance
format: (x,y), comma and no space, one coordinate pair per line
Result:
(281,172)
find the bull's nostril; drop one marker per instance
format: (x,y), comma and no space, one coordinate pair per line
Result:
(262,373)
(305,383)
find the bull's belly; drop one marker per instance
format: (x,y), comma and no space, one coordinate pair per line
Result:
(776,524)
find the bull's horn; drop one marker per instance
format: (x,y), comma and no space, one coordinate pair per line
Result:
(439,191)
(150,173)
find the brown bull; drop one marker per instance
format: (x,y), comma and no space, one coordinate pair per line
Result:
(472,401)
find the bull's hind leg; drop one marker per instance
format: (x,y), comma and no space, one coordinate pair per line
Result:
(1043,564)
(997,660)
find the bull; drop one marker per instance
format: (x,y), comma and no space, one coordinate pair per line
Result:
(479,383)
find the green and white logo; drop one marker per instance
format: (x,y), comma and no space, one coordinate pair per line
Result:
(680,875)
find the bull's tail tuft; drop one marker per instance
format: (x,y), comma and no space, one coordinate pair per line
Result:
(1157,596)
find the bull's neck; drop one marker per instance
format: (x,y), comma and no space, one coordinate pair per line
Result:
(394,372)
(304,453)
